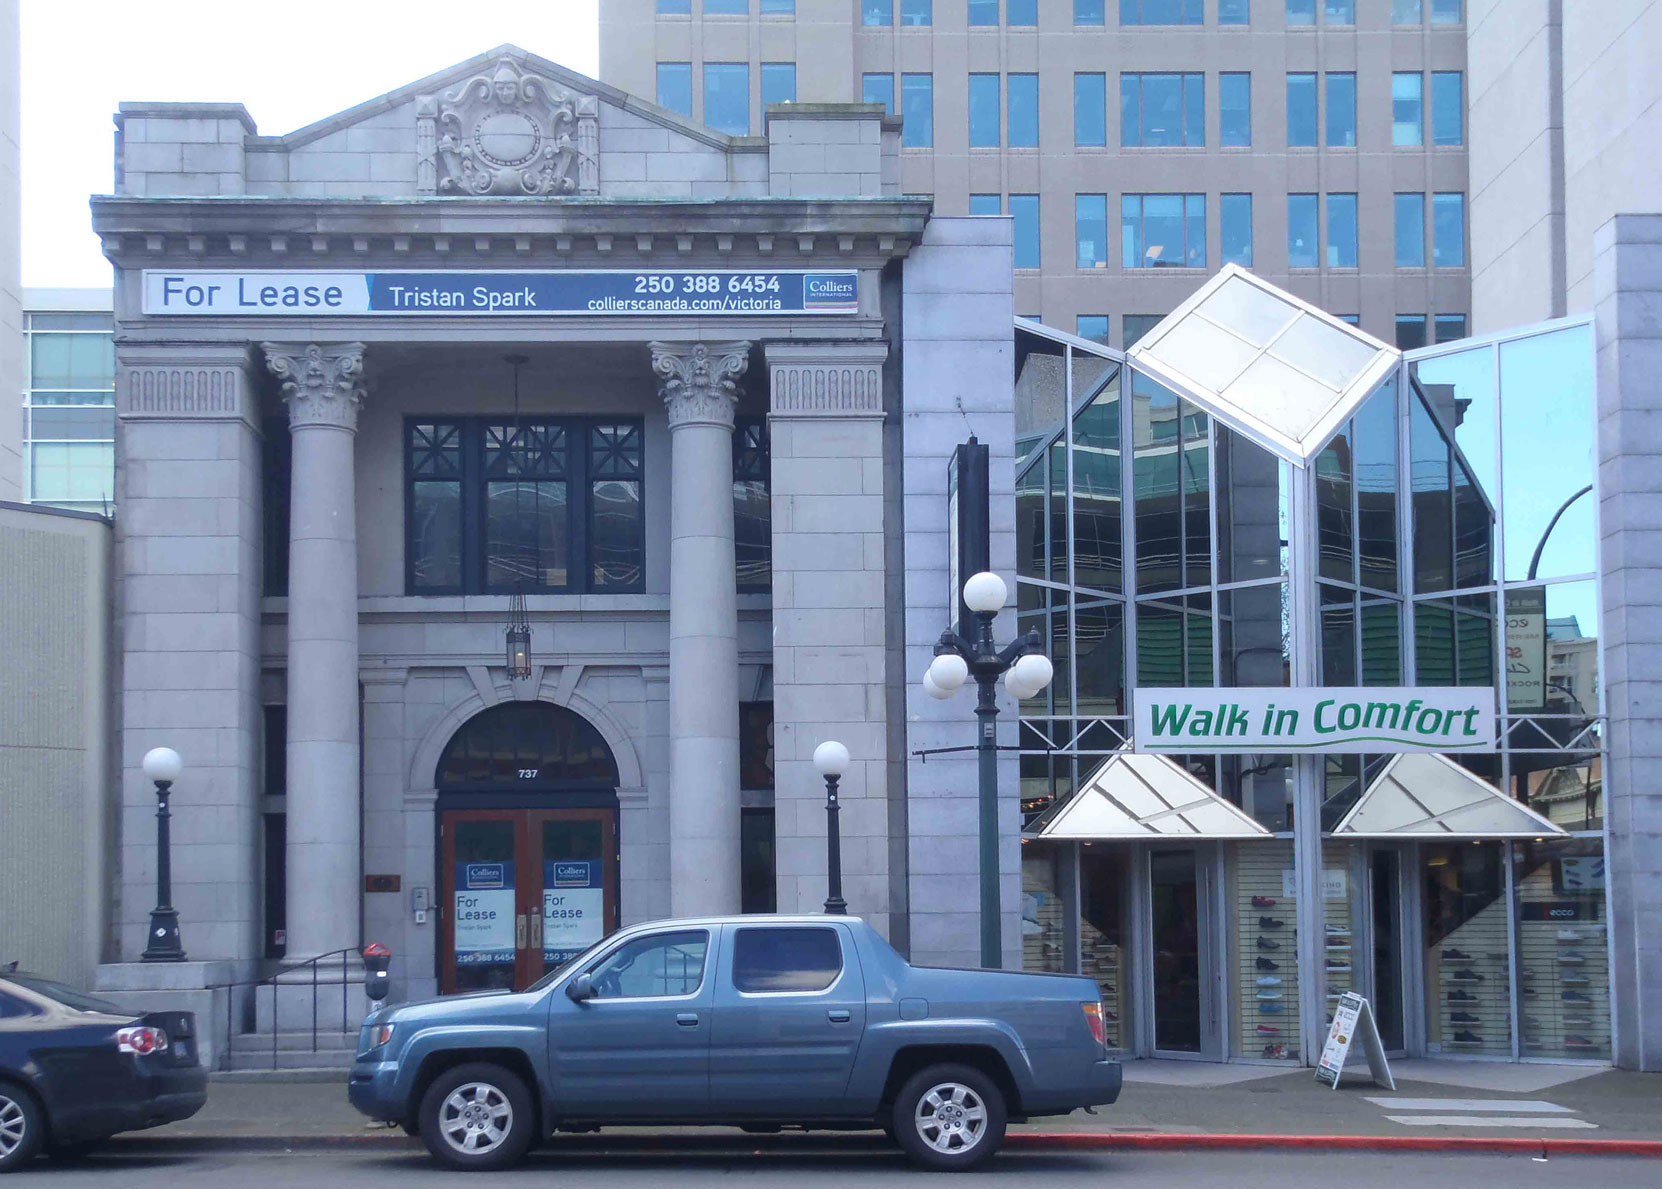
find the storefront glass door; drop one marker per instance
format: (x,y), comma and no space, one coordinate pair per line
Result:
(1176,932)
(1385,919)
(522,890)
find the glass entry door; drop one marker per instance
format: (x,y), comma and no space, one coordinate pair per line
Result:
(1178,911)
(1385,926)
(522,890)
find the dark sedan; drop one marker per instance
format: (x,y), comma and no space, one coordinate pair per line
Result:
(75,1069)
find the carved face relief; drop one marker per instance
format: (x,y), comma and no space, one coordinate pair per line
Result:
(508,133)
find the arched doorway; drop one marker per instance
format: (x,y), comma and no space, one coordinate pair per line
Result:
(527,821)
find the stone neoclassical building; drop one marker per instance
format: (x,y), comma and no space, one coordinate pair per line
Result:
(507,333)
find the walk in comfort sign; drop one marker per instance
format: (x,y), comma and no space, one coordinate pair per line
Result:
(570,292)
(1332,719)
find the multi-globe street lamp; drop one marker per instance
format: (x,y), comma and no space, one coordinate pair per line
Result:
(162,766)
(1026,671)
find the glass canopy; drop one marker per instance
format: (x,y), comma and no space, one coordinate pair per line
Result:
(1428,795)
(1145,796)
(1281,371)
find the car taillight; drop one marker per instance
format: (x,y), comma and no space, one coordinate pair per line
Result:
(142,1041)
(1093,1017)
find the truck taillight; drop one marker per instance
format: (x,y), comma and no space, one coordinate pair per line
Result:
(142,1041)
(1093,1017)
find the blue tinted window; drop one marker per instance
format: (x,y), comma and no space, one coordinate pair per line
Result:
(1410,233)
(1093,327)
(1024,213)
(727,97)
(1088,12)
(985,204)
(778,82)
(1450,327)
(1163,230)
(1302,235)
(877,12)
(1410,331)
(1405,12)
(1407,109)
(1235,109)
(1339,12)
(1090,227)
(1235,225)
(675,87)
(726,7)
(674,7)
(1090,109)
(1448,230)
(1301,109)
(1022,92)
(1353,319)
(983,111)
(1448,107)
(1301,12)
(917,110)
(1162,12)
(1341,231)
(1234,12)
(1137,325)
(915,12)
(878,88)
(1341,110)
(1446,12)
(983,12)
(1021,13)
(779,7)
(1163,109)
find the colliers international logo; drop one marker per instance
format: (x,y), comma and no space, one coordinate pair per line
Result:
(831,291)
(1315,720)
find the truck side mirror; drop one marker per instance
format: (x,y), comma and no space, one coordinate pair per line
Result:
(580,988)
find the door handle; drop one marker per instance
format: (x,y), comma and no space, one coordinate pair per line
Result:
(837,1015)
(519,931)
(536,930)
(687,1019)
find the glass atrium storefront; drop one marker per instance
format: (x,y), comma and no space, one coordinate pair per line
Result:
(1259,495)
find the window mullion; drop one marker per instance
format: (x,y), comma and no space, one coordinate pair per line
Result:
(578,572)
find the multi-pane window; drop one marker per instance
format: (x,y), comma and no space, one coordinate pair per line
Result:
(1162,12)
(877,12)
(1448,230)
(752,507)
(1163,230)
(669,8)
(1341,230)
(778,7)
(917,110)
(1089,12)
(1234,12)
(983,12)
(1021,13)
(1303,235)
(916,12)
(1301,12)
(1235,227)
(983,111)
(727,97)
(1338,12)
(544,504)
(69,414)
(1163,109)
(1090,109)
(1090,223)
(778,82)
(985,204)
(675,87)
(1022,97)
(1024,214)
(1341,109)
(1448,107)
(1235,108)
(1410,230)
(726,8)
(1446,12)
(878,88)
(1301,109)
(1093,327)
(1407,108)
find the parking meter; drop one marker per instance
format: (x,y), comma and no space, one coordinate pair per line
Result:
(377,958)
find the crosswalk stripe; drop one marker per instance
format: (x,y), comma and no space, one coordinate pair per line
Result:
(1531,1121)
(1512,1105)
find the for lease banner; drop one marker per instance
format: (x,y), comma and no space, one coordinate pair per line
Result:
(1358,720)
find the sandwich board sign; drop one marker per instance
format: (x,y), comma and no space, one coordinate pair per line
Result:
(1353,1016)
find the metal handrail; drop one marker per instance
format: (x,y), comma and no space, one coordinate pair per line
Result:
(272,978)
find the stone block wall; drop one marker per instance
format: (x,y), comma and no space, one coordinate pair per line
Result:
(823,149)
(11,239)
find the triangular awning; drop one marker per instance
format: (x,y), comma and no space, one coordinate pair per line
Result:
(1268,365)
(1145,796)
(1428,795)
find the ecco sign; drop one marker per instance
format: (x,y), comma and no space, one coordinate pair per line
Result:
(1367,719)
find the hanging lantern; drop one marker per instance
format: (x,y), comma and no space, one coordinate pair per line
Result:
(518,637)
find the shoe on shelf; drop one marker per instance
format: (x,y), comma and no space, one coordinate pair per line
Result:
(1462,1017)
(1571,959)
(1575,997)
(1269,1030)
(1271,1008)
(1337,967)
(1578,1042)
(1262,995)
(1269,980)
(1266,964)
(1453,955)
(1275,1052)
(1460,996)
(1337,931)
(1568,935)
(1578,1021)
(1263,902)
(1264,943)
(1465,976)
(1575,979)
(1531,1022)
(1467,1038)
(1271,923)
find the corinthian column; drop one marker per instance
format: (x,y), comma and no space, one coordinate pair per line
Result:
(322,384)
(699,384)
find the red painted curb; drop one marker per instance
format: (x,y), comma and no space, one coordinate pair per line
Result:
(1177,1141)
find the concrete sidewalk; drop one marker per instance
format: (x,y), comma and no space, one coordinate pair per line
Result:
(1165,1103)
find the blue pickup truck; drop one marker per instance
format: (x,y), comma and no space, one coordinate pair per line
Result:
(757,1021)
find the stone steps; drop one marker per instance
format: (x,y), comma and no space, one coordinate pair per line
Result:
(251,1051)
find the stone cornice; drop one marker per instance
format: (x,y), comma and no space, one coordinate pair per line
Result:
(700,381)
(322,383)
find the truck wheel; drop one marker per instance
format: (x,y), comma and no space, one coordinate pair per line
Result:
(477,1117)
(22,1127)
(949,1118)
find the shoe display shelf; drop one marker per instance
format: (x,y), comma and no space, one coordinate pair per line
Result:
(1565,970)
(1267,978)
(1338,932)
(1099,959)
(1467,971)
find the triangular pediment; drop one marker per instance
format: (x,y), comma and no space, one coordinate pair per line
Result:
(1132,796)
(1428,795)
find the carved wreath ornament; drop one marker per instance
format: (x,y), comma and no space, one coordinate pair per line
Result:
(510,133)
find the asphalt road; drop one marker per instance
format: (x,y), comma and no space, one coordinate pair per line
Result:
(830,1164)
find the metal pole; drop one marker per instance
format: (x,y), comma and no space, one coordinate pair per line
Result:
(164,944)
(986,747)
(834,903)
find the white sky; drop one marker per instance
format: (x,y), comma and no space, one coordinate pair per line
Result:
(289,62)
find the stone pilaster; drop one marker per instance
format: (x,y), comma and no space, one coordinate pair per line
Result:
(825,422)
(322,384)
(699,384)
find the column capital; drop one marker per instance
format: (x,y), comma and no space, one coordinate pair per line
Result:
(322,383)
(699,381)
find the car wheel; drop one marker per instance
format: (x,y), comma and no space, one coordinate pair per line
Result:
(477,1117)
(22,1127)
(949,1117)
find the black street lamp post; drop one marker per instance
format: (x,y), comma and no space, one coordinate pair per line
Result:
(1026,671)
(162,765)
(831,759)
